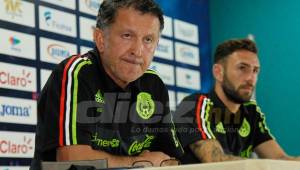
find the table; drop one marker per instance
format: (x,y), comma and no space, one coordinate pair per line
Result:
(250,164)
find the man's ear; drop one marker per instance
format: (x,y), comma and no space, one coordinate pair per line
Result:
(218,72)
(99,39)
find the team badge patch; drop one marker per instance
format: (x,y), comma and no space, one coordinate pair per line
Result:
(245,129)
(145,105)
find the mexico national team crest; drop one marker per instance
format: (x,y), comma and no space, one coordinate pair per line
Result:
(145,105)
(245,129)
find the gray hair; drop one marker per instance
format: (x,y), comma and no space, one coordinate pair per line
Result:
(109,8)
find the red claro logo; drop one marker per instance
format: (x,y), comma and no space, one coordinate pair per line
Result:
(14,147)
(7,78)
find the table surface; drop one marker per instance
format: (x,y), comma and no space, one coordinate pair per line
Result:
(251,164)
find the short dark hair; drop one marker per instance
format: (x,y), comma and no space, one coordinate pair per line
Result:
(228,47)
(109,8)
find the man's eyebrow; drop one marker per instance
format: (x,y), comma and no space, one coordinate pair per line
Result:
(248,65)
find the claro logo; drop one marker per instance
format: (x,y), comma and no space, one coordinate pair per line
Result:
(23,80)
(57,51)
(11,110)
(16,147)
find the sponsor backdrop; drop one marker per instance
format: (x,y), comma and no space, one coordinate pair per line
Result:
(36,35)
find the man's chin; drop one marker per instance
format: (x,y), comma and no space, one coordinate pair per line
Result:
(247,98)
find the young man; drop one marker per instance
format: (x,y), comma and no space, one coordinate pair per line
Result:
(105,104)
(225,124)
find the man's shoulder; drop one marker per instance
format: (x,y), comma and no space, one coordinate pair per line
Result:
(152,76)
(75,63)
(196,97)
(250,104)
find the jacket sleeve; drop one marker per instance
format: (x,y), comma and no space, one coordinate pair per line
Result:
(262,131)
(191,120)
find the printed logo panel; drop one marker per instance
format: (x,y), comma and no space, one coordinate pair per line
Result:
(164,49)
(17,77)
(14,167)
(57,21)
(168,27)
(181,96)
(53,51)
(17,44)
(84,49)
(186,31)
(188,78)
(89,6)
(187,54)
(86,28)
(16,144)
(172,100)
(64,3)
(17,11)
(45,74)
(165,72)
(16,110)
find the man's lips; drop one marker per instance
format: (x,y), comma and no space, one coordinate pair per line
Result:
(247,87)
(132,61)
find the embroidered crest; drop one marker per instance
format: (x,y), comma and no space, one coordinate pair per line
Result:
(245,129)
(145,105)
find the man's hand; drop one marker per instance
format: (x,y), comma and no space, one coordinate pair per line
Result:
(85,152)
(155,157)
(272,150)
(211,151)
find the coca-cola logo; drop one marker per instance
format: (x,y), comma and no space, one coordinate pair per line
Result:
(12,79)
(16,147)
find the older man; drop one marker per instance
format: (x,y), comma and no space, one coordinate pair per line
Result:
(105,104)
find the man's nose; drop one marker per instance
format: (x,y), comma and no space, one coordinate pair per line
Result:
(137,48)
(251,78)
